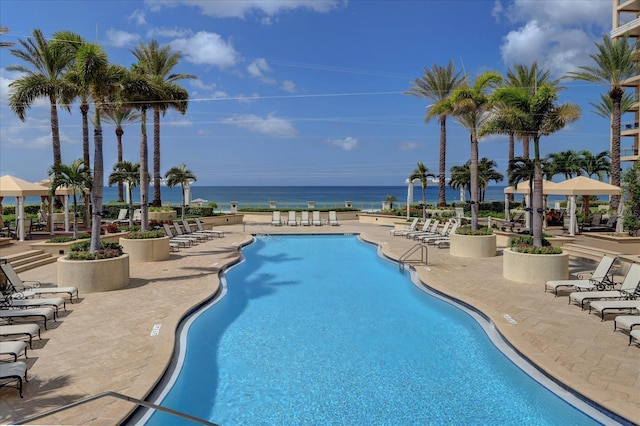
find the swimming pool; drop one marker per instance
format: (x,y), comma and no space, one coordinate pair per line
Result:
(320,329)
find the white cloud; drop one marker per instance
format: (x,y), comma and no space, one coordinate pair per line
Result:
(121,38)
(270,125)
(243,8)
(206,48)
(258,68)
(204,90)
(348,143)
(169,32)
(288,86)
(560,34)
(138,17)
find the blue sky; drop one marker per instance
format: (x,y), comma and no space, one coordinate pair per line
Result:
(296,92)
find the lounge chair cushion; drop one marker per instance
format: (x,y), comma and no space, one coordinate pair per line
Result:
(14,348)
(13,372)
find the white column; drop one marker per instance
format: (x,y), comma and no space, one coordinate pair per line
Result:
(409,195)
(527,216)
(20,218)
(187,194)
(506,207)
(126,192)
(66,213)
(572,217)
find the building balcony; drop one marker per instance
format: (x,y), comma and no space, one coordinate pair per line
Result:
(631,81)
(632,29)
(628,6)
(629,154)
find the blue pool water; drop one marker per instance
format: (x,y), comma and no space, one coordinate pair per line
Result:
(320,330)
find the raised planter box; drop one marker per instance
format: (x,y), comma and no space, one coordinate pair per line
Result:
(618,244)
(534,268)
(382,219)
(503,239)
(146,250)
(227,219)
(59,249)
(93,276)
(162,216)
(475,246)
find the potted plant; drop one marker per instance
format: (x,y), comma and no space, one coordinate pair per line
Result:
(466,242)
(104,269)
(146,246)
(525,262)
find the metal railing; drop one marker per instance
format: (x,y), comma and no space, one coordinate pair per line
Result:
(117,395)
(424,254)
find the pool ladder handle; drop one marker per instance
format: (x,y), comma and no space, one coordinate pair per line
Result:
(140,402)
(424,255)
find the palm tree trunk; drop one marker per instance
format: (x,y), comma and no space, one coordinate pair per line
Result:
(442,200)
(512,155)
(144,172)
(525,146)
(616,96)
(84,111)
(474,182)
(536,202)
(55,130)
(119,133)
(157,202)
(98,179)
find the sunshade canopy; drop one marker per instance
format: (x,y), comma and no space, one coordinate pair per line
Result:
(523,187)
(582,185)
(11,186)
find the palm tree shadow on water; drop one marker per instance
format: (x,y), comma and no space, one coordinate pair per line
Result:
(199,375)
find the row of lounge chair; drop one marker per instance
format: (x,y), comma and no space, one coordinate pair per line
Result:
(430,233)
(604,296)
(277,219)
(184,236)
(23,301)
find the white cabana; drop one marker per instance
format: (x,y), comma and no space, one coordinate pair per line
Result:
(11,186)
(64,192)
(582,185)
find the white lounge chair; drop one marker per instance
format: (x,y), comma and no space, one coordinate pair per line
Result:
(122,217)
(292,218)
(30,330)
(444,241)
(432,230)
(603,306)
(441,234)
(54,302)
(275,218)
(13,372)
(629,288)
(634,334)
(34,287)
(192,237)
(189,231)
(304,218)
(425,228)
(406,229)
(333,218)
(315,218)
(14,348)
(201,228)
(600,279)
(184,242)
(626,321)
(43,313)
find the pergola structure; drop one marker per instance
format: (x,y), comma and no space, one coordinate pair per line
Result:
(11,186)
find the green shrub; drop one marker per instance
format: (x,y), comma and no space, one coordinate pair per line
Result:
(144,235)
(68,239)
(525,245)
(466,230)
(80,251)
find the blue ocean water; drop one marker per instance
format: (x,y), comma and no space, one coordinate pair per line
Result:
(356,345)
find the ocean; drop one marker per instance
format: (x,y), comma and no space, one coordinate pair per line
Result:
(361,197)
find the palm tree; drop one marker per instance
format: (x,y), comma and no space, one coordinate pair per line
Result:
(528,78)
(590,164)
(461,177)
(390,200)
(565,163)
(422,173)
(42,79)
(470,106)
(77,177)
(180,176)
(614,63)
(157,63)
(486,173)
(101,78)
(119,115)
(437,84)
(538,115)
(125,171)
(5,30)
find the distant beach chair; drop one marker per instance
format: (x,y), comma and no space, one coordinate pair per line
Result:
(304,219)
(406,229)
(122,217)
(201,228)
(292,218)
(333,218)
(316,218)
(275,218)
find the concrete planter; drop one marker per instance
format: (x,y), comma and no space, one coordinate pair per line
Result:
(503,239)
(534,268)
(476,246)
(146,250)
(61,249)
(162,216)
(93,276)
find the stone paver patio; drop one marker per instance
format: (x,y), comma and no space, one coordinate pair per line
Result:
(104,341)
